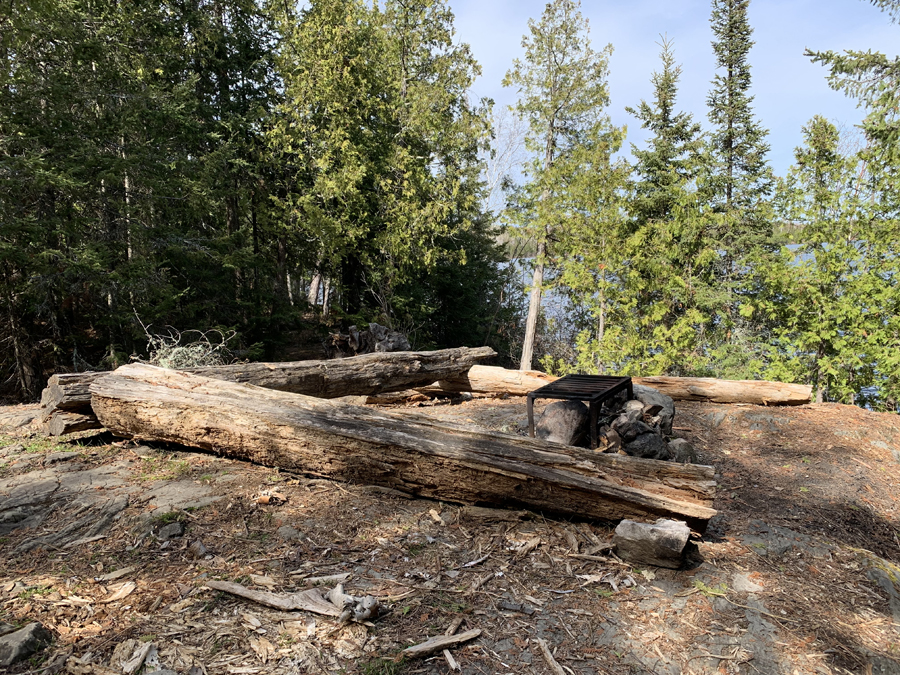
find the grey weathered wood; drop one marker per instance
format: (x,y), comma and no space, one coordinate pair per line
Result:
(69,392)
(61,422)
(410,453)
(438,643)
(310,600)
(355,376)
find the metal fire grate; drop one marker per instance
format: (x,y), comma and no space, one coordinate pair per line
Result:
(591,388)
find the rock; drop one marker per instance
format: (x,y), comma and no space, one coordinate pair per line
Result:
(170,531)
(682,451)
(648,446)
(197,550)
(289,533)
(164,671)
(742,583)
(634,405)
(563,422)
(629,429)
(23,643)
(660,544)
(650,396)
(10,450)
(6,628)
(55,457)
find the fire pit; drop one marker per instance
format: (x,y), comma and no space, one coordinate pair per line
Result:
(593,389)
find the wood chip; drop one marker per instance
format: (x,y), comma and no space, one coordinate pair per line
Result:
(439,643)
(134,664)
(118,574)
(451,661)
(548,657)
(124,591)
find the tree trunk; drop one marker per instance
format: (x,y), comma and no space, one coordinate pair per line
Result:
(354,376)
(759,392)
(534,308)
(491,380)
(312,296)
(412,454)
(498,381)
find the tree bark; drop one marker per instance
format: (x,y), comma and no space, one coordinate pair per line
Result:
(412,454)
(355,376)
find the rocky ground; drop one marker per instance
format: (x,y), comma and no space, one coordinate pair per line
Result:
(110,544)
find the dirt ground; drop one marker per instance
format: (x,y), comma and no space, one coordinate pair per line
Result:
(796,575)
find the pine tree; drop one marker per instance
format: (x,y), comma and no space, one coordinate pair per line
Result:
(736,190)
(743,178)
(562,91)
(665,289)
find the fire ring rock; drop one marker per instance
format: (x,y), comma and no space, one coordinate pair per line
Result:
(661,543)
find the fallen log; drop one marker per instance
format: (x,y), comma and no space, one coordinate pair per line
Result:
(498,381)
(359,375)
(758,392)
(490,380)
(410,453)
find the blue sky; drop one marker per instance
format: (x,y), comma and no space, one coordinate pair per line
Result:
(788,88)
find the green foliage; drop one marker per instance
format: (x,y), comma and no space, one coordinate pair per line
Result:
(570,186)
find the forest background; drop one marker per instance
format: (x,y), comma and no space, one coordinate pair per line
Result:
(266,169)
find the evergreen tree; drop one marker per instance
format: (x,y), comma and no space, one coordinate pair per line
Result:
(383,143)
(743,179)
(562,91)
(874,79)
(664,312)
(736,192)
(820,291)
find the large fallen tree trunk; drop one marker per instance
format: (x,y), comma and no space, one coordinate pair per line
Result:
(759,392)
(490,380)
(359,375)
(412,454)
(494,380)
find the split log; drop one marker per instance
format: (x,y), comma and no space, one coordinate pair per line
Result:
(61,422)
(69,392)
(409,453)
(758,392)
(359,375)
(497,381)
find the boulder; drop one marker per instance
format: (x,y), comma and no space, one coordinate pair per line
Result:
(650,397)
(660,544)
(23,643)
(564,422)
(648,446)
(629,429)
(682,451)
